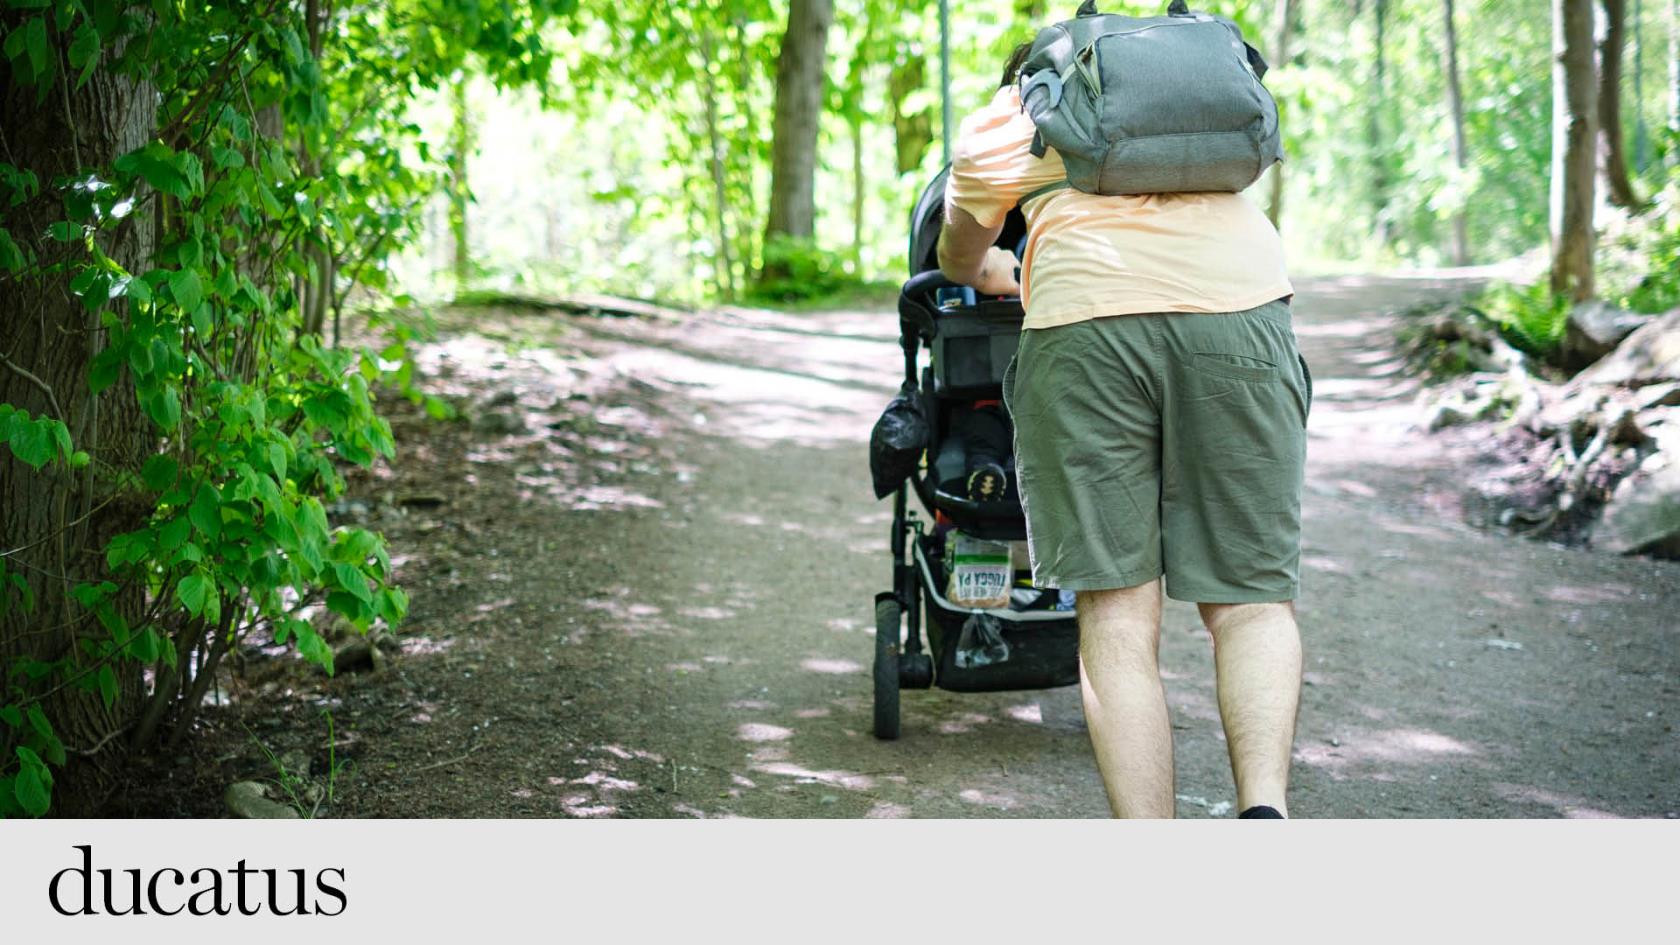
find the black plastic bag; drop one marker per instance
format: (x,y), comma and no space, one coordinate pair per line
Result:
(897,442)
(981,642)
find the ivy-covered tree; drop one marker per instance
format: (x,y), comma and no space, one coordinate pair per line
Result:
(188,190)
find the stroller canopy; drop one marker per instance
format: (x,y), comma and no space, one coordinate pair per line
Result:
(929,216)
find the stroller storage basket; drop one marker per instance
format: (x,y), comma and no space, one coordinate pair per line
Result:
(1039,640)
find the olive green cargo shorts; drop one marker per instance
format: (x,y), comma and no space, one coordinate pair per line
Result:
(1168,443)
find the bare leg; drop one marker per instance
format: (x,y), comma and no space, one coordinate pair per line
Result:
(1125,704)
(1257,656)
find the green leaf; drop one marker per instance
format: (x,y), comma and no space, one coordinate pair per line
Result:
(161,167)
(108,685)
(11,256)
(185,286)
(226,157)
(354,581)
(84,52)
(206,511)
(174,533)
(159,472)
(35,41)
(140,360)
(107,364)
(439,409)
(277,461)
(10,715)
(126,548)
(392,605)
(33,788)
(195,593)
(164,407)
(38,721)
(32,442)
(145,646)
(356,545)
(49,739)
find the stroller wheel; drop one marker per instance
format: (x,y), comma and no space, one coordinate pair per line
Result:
(888,637)
(915,670)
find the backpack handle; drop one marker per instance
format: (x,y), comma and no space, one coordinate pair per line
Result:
(1175,8)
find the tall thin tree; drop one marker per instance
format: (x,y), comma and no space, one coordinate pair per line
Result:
(460,193)
(1378,106)
(1674,75)
(1574,133)
(1280,57)
(1614,153)
(722,258)
(1641,134)
(799,100)
(1461,150)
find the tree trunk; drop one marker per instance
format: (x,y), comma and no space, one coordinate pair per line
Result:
(793,150)
(1461,150)
(460,147)
(746,211)
(1280,57)
(1641,133)
(1674,75)
(722,261)
(1618,188)
(1574,133)
(55,522)
(1377,132)
(859,182)
(314,293)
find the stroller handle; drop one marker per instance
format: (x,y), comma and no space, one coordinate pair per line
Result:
(915,303)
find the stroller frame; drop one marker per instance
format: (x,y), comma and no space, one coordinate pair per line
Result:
(969,344)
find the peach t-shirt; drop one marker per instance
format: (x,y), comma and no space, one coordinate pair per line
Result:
(1089,255)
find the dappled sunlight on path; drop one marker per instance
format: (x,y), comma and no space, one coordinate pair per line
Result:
(645,589)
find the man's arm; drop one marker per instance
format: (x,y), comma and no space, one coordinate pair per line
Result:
(967,255)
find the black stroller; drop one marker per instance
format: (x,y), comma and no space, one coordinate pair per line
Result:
(970,341)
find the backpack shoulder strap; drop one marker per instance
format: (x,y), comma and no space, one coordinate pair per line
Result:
(1047,188)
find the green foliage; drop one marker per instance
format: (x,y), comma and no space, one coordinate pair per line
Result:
(1531,318)
(1640,253)
(799,271)
(282,172)
(37,440)
(297,786)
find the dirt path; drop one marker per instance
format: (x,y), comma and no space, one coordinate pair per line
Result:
(655,600)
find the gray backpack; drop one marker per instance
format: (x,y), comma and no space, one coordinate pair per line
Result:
(1149,105)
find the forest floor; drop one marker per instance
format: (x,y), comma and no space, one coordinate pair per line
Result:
(643,566)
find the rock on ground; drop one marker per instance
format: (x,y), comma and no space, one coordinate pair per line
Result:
(249,800)
(1644,514)
(1595,329)
(1650,355)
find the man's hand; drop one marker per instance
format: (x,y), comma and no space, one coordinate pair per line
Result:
(997,273)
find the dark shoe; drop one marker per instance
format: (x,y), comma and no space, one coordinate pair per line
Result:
(988,483)
(1261,812)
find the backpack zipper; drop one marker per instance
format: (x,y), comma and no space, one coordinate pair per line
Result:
(1086,58)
